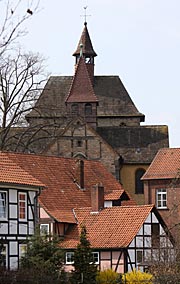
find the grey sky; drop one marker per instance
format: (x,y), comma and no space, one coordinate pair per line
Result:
(139,40)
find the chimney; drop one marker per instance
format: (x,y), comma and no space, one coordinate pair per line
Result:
(80,173)
(97,198)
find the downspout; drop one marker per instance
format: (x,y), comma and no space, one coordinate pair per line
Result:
(36,207)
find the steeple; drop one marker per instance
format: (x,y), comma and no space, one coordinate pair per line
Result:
(81,100)
(87,51)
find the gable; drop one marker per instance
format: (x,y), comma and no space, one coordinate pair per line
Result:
(80,140)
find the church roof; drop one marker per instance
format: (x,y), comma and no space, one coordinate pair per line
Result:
(113,99)
(86,42)
(81,89)
(165,165)
(136,143)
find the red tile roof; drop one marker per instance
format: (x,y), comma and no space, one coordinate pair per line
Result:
(81,89)
(166,165)
(12,173)
(58,174)
(113,227)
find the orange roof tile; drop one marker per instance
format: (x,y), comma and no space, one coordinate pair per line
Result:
(58,174)
(12,173)
(166,165)
(113,227)
(81,89)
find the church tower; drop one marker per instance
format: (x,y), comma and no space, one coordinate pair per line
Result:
(81,100)
(85,46)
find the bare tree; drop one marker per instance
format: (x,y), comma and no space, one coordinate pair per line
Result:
(21,78)
(13,15)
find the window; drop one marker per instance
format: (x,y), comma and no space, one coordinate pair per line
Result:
(139,256)
(79,143)
(139,186)
(75,109)
(3,255)
(22,205)
(155,232)
(88,109)
(161,198)
(44,229)
(69,257)
(95,257)
(3,205)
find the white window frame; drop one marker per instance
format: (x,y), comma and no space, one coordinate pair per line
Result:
(160,193)
(44,231)
(23,201)
(94,257)
(5,206)
(69,257)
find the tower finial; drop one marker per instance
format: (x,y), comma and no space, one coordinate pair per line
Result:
(85,15)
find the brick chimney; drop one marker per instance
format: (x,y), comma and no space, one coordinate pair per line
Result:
(97,198)
(80,173)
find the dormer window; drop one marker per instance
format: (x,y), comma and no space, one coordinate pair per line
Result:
(75,109)
(88,109)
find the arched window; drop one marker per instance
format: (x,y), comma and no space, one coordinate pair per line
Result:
(88,109)
(75,109)
(139,186)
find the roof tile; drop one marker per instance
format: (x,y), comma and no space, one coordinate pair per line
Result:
(166,165)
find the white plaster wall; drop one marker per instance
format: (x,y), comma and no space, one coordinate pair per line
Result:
(140,231)
(13,195)
(22,229)
(132,254)
(154,219)
(31,228)
(13,248)
(30,215)
(13,262)
(148,219)
(32,194)
(132,244)
(13,227)
(12,211)
(139,242)
(3,228)
(147,229)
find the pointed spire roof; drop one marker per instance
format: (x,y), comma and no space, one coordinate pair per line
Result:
(87,44)
(81,89)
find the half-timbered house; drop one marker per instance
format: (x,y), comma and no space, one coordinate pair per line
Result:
(123,235)
(19,192)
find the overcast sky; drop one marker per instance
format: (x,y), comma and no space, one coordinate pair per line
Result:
(139,40)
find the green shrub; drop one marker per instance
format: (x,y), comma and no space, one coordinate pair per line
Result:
(137,276)
(108,276)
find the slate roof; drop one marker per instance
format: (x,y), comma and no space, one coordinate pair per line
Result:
(113,227)
(166,165)
(136,143)
(81,89)
(111,94)
(61,193)
(87,44)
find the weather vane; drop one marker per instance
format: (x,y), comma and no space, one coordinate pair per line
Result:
(85,14)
